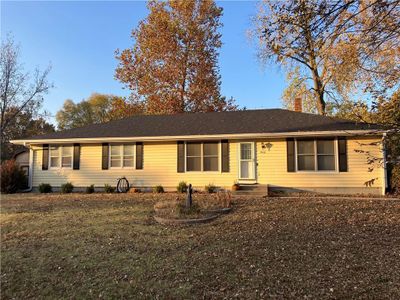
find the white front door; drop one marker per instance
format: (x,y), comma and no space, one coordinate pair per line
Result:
(247,166)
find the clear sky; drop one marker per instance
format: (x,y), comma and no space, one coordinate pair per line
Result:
(79,39)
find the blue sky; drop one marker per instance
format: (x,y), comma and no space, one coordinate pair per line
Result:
(79,39)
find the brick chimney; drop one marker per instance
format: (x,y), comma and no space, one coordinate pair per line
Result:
(298,105)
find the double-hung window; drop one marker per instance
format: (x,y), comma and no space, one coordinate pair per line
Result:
(326,155)
(193,157)
(66,157)
(122,156)
(202,156)
(316,155)
(60,156)
(210,156)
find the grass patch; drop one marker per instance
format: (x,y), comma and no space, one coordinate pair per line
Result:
(109,246)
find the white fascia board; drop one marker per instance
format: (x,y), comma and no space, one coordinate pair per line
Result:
(242,136)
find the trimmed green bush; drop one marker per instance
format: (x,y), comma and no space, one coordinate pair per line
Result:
(90,189)
(45,188)
(158,189)
(210,188)
(109,189)
(67,188)
(12,177)
(182,187)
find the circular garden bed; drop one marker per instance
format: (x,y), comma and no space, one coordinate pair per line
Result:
(204,208)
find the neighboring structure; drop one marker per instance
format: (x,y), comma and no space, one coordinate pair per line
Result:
(22,159)
(283,149)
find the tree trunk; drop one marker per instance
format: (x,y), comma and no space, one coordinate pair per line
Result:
(318,87)
(321,104)
(183,90)
(183,84)
(319,90)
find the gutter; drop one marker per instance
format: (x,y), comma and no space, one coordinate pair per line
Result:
(241,136)
(385,177)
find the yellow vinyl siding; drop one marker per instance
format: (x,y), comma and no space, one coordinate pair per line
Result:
(272,167)
(160,167)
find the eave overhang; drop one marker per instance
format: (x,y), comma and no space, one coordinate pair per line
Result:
(243,136)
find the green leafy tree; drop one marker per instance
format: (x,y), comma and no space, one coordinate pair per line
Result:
(97,108)
(173,65)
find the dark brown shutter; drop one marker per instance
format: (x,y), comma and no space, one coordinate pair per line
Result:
(290,155)
(77,156)
(139,156)
(45,157)
(342,154)
(104,160)
(181,157)
(225,155)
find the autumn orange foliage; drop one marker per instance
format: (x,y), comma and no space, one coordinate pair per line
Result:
(173,65)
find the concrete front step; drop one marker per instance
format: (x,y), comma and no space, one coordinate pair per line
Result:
(252,189)
(241,193)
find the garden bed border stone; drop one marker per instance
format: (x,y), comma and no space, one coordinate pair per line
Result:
(165,221)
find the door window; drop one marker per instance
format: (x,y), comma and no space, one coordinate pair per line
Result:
(246,161)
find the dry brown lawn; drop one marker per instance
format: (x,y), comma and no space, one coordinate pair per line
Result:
(108,246)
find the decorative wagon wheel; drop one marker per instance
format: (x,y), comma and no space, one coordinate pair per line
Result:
(122,185)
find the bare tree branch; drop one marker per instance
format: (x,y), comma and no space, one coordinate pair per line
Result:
(18,94)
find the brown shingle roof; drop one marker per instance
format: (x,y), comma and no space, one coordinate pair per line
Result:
(237,122)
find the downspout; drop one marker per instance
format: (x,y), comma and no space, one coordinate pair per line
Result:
(30,171)
(385,179)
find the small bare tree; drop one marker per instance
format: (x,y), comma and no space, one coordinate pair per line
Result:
(20,92)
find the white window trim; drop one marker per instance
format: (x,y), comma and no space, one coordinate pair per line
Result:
(202,157)
(122,156)
(60,157)
(335,149)
(253,153)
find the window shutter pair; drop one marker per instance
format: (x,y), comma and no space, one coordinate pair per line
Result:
(105,156)
(290,152)
(224,156)
(76,155)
